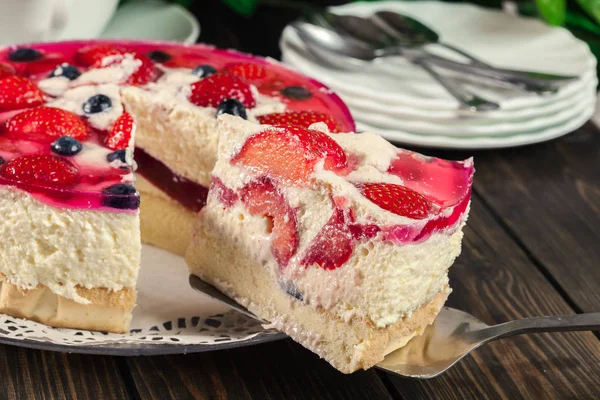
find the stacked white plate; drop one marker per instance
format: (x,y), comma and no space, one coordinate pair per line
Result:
(404,104)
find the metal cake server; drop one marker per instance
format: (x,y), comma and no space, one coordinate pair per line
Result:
(452,336)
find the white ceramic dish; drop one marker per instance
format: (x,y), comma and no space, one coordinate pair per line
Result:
(495,128)
(448,142)
(356,98)
(153,20)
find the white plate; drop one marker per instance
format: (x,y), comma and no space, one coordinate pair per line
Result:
(153,20)
(447,142)
(170,318)
(356,98)
(499,38)
(494,128)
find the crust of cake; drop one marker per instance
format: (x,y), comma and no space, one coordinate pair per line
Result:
(108,311)
(164,222)
(347,345)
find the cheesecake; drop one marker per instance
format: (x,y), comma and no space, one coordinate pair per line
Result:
(340,240)
(86,129)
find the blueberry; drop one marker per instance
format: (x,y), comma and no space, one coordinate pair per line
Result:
(296,92)
(24,54)
(66,146)
(1,160)
(204,71)
(293,291)
(68,71)
(159,56)
(96,104)
(120,155)
(233,107)
(121,196)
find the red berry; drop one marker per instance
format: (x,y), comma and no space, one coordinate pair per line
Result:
(90,55)
(145,73)
(46,124)
(333,245)
(17,92)
(397,199)
(247,71)
(300,118)
(43,170)
(225,195)
(291,153)
(120,134)
(262,198)
(211,91)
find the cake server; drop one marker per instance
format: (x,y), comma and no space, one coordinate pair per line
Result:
(452,336)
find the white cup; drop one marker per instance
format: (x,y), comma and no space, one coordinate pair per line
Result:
(23,21)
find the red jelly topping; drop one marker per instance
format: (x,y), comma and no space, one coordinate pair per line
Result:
(189,194)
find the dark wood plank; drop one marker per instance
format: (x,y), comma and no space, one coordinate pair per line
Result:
(279,370)
(548,196)
(29,374)
(494,280)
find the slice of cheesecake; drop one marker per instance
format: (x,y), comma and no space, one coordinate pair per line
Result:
(342,241)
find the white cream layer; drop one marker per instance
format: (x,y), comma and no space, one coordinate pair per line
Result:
(63,248)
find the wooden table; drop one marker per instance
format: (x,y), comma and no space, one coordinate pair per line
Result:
(531,247)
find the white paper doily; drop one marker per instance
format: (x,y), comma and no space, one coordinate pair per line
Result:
(170,318)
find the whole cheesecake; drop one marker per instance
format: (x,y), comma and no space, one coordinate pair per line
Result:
(76,120)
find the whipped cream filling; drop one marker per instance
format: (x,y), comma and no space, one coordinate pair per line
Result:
(65,249)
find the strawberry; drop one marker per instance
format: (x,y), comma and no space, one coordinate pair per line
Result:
(299,118)
(209,92)
(17,92)
(46,124)
(90,55)
(333,245)
(291,153)
(225,195)
(6,70)
(397,199)
(262,198)
(247,71)
(145,73)
(44,170)
(120,133)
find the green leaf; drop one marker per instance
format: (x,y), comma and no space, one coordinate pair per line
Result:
(244,7)
(592,7)
(553,11)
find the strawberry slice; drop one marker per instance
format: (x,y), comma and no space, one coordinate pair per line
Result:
(397,199)
(209,92)
(262,198)
(120,134)
(44,170)
(17,92)
(333,245)
(300,118)
(247,71)
(291,153)
(145,73)
(46,124)
(90,55)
